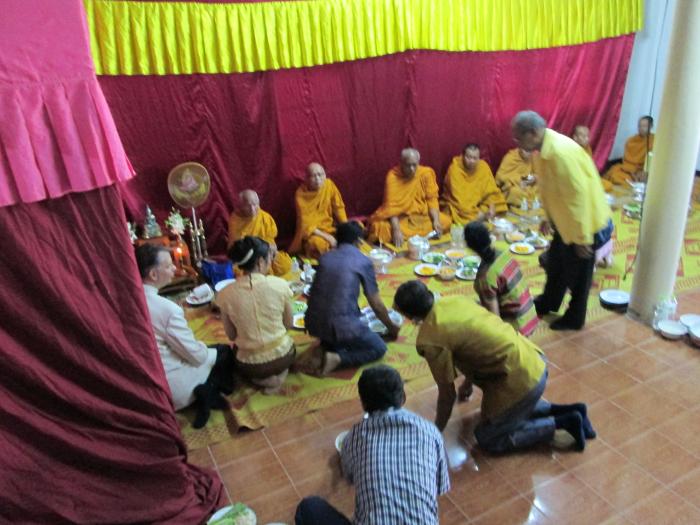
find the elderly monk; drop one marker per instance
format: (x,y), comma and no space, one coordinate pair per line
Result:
(517,178)
(470,192)
(581,137)
(249,220)
(320,208)
(410,203)
(636,150)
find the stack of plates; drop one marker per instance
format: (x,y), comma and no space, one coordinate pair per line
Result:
(614,299)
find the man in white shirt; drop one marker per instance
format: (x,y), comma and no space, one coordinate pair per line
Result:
(195,372)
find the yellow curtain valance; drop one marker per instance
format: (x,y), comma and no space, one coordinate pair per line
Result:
(162,38)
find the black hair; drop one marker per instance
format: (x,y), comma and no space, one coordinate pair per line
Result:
(380,388)
(147,257)
(348,232)
(649,119)
(414,299)
(478,238)
(246,252)
(471,145)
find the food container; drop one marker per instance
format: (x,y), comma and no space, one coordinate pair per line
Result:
(447,272)
(380,259)
(417,247)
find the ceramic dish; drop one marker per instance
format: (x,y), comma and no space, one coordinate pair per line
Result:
(426,270)
(522,248)
(447,273)
(471,261)
(299,307)
(672,329)
(433,258)
(299,322)
(515,236)
(694,332)
(466,274)
(199,301)
(455,254)
(614,298)
(690,320)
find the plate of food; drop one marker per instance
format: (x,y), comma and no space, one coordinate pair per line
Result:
(426,270)
(537,241)
(299,307)
(522,248)
(515,236)
(298,321)
(502,225)
(201,295)
(466,274)
(433,258)
(455,254)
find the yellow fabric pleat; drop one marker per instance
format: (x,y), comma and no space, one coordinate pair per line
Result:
(162,38)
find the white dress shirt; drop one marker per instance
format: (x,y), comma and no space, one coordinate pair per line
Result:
(187,362)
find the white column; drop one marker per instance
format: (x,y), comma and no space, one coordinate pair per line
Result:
(672,170)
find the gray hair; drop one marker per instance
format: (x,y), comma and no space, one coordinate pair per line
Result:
(527,121)
(410,152)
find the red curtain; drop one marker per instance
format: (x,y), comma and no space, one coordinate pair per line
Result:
(260,130)
(86,423)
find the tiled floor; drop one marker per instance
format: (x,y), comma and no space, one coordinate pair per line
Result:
(644,400)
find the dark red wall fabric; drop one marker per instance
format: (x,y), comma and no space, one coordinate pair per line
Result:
(260,130)
(87,427)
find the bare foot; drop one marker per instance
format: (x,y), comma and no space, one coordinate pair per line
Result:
(331,362)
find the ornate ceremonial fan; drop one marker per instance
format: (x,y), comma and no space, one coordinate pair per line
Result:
(189,185)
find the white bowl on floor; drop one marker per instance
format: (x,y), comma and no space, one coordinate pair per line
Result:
(339,440)
(672,329)
(694,332)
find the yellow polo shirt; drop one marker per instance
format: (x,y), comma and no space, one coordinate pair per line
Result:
(458,334)
(571,190)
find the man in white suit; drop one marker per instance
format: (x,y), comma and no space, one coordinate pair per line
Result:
(195,372)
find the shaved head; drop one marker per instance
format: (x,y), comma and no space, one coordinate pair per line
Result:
(581,135)
(315,176)
(528,129)
(248,203)
(410,157)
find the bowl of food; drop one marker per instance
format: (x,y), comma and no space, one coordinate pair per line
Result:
(433,258)
(515,236)
(671,329)
(426,270)
(466,274)
(455,254)
(447,273)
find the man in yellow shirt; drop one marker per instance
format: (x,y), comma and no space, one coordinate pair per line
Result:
(470,191)
(516,177)
(457,335)
(410,204)
(320,208)
(637,148)
(581,137)
(249,220)
(576,206)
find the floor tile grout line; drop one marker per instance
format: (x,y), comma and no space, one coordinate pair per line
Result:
(218,473)
(286,472)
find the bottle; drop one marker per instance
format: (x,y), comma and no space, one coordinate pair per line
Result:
(523,205)
(536,204)
(664,310)
(295,267)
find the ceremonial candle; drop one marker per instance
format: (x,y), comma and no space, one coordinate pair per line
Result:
(178,257)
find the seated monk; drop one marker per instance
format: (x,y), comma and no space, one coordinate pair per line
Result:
(249,220)
(516,177)
(410,203)
(470,191)
(581,137)
(319,208)
(636,149)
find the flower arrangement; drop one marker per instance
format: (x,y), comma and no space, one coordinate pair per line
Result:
(176,222)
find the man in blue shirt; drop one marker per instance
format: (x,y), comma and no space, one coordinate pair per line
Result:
(333,315)
(395,458)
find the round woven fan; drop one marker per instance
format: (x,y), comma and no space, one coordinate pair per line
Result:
(189,184)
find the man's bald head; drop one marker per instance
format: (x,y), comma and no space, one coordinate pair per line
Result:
(409,162)
(528,129)
(315,176)
(581,135)
(248,203)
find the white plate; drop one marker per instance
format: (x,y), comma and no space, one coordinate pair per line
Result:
(219,513)
(527,248)
(672,329)
(223,284)
(339,440)
(432,258)
(694,332)
(466,275)
(615,297)
(193,301)
(429,270)
(690,320)
(298,321)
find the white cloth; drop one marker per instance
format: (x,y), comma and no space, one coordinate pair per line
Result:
(187,362)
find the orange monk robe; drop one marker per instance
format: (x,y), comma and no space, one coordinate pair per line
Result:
(632,161)
(510,175)
(409,200)
(263,226)
(322,210)
(465,194)
(607,185)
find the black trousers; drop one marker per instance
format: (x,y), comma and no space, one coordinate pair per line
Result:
(566,271)
(314,510)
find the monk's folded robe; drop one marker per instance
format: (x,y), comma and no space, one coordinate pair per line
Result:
(465,194)
(633,159)
(409,200)
(317,210)
(510,175)
(261,225)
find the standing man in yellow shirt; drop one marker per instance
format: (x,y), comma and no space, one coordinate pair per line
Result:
(457,335)
(577,210)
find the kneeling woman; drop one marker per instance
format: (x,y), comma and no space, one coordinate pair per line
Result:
(500,283)
(257,311)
